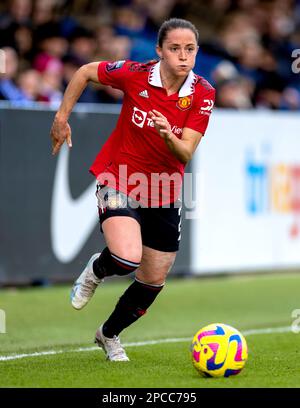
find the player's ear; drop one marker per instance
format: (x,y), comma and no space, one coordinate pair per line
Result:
(159,51)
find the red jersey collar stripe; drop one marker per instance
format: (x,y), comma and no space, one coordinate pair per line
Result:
(187,88)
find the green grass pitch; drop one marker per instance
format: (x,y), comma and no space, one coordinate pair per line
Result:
(42,319)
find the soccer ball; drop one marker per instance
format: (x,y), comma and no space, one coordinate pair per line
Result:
(219,350)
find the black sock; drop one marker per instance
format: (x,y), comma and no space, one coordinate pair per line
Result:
(109,264)
(131,306)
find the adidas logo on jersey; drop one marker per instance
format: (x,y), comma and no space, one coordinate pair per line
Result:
(144,94)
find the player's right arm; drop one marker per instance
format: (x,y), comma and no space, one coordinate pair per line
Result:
(61,130)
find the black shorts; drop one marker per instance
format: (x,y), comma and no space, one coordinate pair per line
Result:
(160,226)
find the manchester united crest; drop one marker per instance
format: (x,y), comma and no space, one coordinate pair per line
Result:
(184,103)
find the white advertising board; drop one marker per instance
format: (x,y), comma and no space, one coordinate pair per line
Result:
(247,214)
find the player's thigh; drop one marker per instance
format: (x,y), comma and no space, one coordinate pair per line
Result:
(155,266)
(120,223)
(123,237)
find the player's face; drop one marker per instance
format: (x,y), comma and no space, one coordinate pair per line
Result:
(178,51)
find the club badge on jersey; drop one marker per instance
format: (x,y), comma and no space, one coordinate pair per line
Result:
(185,102)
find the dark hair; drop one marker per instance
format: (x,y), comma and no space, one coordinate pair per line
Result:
(172,24)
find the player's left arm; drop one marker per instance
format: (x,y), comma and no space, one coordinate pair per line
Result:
(183,148)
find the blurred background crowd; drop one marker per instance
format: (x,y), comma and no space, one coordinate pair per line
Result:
(245,46)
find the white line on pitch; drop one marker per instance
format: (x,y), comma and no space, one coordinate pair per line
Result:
(269,330)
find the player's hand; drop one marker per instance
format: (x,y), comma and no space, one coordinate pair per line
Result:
(161,124)
(59,133)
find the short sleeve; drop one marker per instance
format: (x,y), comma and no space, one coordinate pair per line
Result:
(113,73)
(200,113)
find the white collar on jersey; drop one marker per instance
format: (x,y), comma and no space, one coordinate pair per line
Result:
(186,89)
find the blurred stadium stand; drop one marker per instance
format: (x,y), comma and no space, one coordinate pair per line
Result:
(245,46)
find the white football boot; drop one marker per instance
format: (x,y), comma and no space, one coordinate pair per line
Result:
(85,285)
(112,347)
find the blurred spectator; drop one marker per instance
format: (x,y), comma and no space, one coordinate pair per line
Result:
(70,65)
(19,12)
(158,11)
(49,41)
(30,84)
(51,81)
(224,71)
(234,93)
(104,36)
(129,21)
(43,12)
(8,88)
(237,30)
(83,44)
(120,47)
(23,38)
(51,47)
(290,99)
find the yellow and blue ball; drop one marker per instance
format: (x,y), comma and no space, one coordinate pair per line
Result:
(219,350)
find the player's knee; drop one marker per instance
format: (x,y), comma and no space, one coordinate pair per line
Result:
(153,275)
(124,265)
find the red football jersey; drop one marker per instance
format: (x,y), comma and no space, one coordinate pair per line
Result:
(135,159)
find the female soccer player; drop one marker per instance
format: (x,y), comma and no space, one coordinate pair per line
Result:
(139,171)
